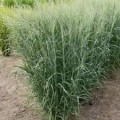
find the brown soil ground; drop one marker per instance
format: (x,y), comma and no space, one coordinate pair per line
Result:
(15,102)
(106,101)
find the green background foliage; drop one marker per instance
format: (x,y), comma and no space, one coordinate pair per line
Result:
(4,32)
(10,3)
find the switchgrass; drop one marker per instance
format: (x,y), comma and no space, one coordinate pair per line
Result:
(67,50)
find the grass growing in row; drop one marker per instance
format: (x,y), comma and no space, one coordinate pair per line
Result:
(67,49)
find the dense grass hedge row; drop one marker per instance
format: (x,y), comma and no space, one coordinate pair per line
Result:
(67,50)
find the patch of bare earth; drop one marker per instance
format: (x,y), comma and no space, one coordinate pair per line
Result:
(106,102)
(13,94)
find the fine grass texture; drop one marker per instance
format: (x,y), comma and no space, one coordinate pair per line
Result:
(68,48)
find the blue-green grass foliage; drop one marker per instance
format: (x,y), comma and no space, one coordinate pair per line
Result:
(68,48)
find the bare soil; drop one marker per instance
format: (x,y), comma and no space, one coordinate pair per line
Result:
(106,101)
(15,103)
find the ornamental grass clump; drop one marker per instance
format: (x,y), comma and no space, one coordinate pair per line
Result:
(67,50)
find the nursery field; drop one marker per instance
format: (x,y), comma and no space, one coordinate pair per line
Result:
(14,96)
(69,56)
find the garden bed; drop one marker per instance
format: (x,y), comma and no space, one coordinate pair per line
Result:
(14,96)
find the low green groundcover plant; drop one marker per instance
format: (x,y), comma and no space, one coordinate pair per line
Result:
(67,48)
